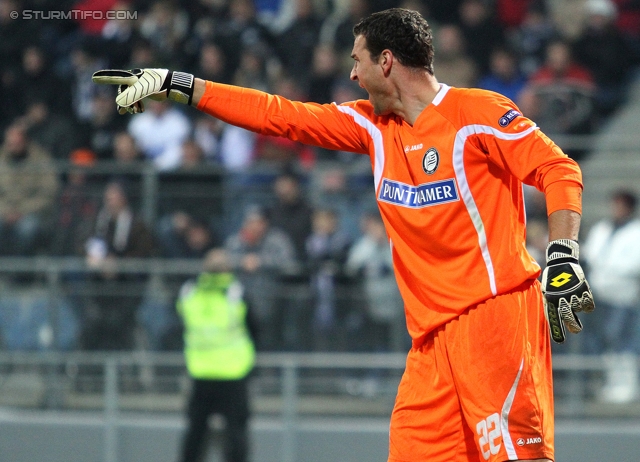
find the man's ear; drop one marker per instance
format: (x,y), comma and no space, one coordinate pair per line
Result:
(386,61)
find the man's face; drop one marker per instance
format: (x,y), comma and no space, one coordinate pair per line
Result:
(114,199)
(15,141)
(620,211)
(369,74)
(287,189)
(558,57)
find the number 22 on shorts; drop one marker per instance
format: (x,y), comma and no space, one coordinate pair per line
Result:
(489,431)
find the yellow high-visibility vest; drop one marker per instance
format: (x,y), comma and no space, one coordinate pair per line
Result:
(217,344)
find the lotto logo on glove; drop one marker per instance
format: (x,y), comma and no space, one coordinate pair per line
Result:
(565,289)
(136,84)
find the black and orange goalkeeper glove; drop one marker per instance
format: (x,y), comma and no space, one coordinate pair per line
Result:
(565,289)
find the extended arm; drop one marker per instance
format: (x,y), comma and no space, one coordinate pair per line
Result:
(325,125)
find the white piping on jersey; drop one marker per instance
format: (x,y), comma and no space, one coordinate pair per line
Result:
(465,190)
(504,418)
(376,137)
(524,206)
(444,88)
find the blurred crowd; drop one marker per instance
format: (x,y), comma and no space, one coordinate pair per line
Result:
(72,171)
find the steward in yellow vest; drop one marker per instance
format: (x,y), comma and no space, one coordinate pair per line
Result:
(219,354)
(217,344)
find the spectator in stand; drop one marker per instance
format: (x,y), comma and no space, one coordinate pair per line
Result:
(629,23)
(99,130)
(160,131)
(109,316)
(56,133)
(511,13)
(295,44)
(252,70)
(191,156)
(184,232)
(165,26)
(275,14)
(445,11)
(77,206)
(241,31)
(92,25)
(204,20)
(504,76)
(259,254)
(125,149)
(119,36)
(10,92)
(241,187)
(38,82)
(15,36)
(212,64)
(291,213)
(198,239)
(182,236)
(613,257)
(324,74)
(531,37)
(480,31)
(28,188)
(342,35)
(559,96)
(326,249)
(142,55)
(455,67)
(127,163)
(85,60)
(332,188)
(604,51)
(207,132)
(370,259)
(422,7)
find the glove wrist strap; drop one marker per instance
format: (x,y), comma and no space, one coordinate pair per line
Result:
(180,87)
(563,251)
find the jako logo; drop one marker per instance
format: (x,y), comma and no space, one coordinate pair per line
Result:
(522,441)
(413,147)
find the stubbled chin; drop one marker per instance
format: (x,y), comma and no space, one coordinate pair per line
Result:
(380,111)
(376,107)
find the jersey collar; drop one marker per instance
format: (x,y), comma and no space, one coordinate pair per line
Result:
(444,88)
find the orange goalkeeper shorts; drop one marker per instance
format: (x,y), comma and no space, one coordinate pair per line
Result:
(480,387)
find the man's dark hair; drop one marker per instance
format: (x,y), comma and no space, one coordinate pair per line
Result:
(405,32)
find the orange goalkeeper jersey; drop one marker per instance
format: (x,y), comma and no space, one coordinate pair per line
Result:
(449,188)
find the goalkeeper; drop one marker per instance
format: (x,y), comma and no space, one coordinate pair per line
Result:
(448,167)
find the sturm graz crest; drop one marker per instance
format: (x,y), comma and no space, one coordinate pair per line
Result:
(430,161)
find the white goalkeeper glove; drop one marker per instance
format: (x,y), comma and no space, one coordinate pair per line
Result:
(565,289)
(136,84)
